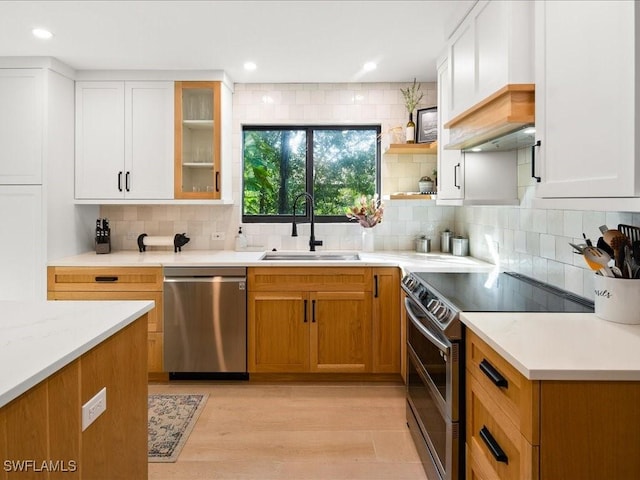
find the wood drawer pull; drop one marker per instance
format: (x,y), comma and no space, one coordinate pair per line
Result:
(493,374)
(493,446)
(106,279)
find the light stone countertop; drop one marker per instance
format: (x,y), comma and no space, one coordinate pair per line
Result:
(564,346)
(39,338)
(407,260)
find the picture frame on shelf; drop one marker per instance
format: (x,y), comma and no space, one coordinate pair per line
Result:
(427,125)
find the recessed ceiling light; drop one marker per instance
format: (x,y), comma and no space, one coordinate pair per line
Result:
(250,66)
(42,33)
(476,149)
(369,66)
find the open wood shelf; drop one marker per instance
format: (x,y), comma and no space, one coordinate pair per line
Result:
(413,148)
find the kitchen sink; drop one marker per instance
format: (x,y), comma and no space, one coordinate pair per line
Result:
(311,256)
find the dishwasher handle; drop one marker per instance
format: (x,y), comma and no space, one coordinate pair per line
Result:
(204,279)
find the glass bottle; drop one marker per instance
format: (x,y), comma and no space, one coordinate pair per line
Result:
(411,130)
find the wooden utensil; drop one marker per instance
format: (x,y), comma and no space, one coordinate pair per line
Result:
(617,241)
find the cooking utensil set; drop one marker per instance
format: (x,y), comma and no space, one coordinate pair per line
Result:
(621,244)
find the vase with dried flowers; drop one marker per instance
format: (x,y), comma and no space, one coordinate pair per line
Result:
(368,213)
(412,96)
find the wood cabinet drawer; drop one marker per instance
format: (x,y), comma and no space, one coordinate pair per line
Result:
(496,448)
(278,279)
(516,396)
(104,279)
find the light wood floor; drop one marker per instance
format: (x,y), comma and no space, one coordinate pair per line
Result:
(295,432)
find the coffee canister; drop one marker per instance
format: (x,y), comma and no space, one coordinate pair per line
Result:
(460,246)
(445,241)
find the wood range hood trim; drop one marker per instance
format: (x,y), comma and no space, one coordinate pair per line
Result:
(509,109)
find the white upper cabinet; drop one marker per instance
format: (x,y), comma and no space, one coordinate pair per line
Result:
(450,162)
(587,102)
(124,140)
(21,123)
(492,47)
(471,178)
(148,154)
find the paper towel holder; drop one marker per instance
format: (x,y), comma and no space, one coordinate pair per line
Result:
(179,240)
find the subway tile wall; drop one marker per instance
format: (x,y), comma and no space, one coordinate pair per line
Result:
(521,238)
(535,242)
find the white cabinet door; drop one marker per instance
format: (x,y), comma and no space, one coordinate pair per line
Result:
(587,99)
(463,69)
(149,111)
(22,276)
(492,47)
(21,120)
(100,172)
(124,140)
(450,162)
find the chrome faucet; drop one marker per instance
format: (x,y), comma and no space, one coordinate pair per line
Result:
(313,243)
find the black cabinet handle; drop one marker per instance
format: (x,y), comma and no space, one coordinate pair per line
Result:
(375,286)
(313,311)
(455,176)
(126,181)
(493,446)
(533,161)
(493,374)
(217,181)
(119,181)
(305,311)
(106,279)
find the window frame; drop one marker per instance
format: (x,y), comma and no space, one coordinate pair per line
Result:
(309,164)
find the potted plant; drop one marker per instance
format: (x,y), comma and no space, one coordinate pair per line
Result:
(412,96)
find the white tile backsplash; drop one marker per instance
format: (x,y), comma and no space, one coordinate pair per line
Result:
(530,241)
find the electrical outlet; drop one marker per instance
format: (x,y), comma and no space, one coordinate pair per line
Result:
(131,236)
(94,408)
(218,236)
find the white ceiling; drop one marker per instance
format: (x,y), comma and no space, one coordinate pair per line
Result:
(290,41)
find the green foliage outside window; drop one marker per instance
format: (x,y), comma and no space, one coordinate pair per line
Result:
(344,162)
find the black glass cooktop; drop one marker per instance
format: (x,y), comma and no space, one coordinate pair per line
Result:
(501,292)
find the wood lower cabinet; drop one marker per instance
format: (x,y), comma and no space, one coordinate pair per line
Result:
(116,283)
(386,323)
(278,332)
(305,320)
(546,430)
(43,425)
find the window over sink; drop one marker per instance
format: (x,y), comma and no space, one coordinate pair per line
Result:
(335,164)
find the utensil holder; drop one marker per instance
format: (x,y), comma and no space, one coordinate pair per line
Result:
(617,299)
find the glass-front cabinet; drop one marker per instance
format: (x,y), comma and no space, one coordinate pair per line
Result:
(197,140)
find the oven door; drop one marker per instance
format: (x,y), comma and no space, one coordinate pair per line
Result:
(438,357)
(432,366)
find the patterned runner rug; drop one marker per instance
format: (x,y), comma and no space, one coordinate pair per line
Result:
(171,419)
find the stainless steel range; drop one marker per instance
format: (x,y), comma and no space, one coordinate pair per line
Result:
(435,351)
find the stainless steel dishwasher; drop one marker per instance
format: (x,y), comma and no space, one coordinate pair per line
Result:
(205,322)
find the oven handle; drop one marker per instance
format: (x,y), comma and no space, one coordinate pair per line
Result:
(422,329)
